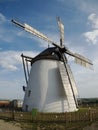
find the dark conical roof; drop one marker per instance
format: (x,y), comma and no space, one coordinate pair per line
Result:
(49,53)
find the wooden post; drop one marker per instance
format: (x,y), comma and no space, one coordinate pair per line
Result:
(90,115)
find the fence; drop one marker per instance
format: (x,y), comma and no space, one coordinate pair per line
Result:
(90,115)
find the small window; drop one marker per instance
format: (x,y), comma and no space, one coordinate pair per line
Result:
(29,93)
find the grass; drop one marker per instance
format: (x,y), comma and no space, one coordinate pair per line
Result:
(83,109)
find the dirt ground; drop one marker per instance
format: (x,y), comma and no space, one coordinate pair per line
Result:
(93,126)
(4,125)
(11,125)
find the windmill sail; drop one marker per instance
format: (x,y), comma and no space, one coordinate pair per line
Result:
(83,61)
(61,29)
(72,80)
(69,85)
(35,32)
(79,59)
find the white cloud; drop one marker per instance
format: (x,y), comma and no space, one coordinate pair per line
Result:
(93,19)
(12,80)
(87,6)
(92,36)
(6,34)
(2,18)
(10,60)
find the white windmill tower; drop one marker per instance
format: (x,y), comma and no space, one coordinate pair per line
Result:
(50,83)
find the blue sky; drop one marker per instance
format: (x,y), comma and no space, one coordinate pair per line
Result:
(80,19)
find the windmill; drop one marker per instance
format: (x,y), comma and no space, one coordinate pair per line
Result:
(50,83)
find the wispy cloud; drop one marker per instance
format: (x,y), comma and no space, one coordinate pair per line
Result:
(92,36)
(10,60)
(87,6)
(6,33)
(2,18)
(93,20)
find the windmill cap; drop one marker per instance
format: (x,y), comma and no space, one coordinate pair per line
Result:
(50,53)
